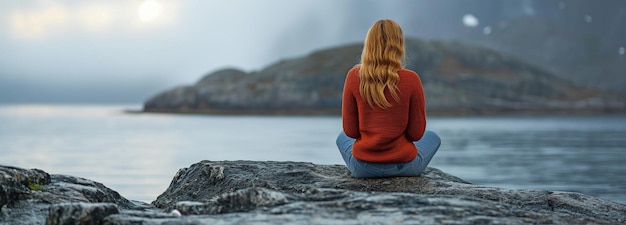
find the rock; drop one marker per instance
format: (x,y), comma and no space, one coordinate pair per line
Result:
(288,192)
(242,200)
(27,195)
(80,213)
(457,78)
(179,98)
(250,192)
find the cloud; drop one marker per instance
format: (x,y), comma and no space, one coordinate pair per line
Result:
(96,17)
(38,22)
(59,45)
(49,19)
(65,46)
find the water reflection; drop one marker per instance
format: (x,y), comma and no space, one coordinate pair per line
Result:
(567,154)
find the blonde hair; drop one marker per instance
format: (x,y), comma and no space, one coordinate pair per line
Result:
(382,57)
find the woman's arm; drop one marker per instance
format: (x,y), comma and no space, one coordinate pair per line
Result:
(349,109)
(417,113)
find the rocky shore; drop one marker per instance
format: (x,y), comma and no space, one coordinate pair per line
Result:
(262,192)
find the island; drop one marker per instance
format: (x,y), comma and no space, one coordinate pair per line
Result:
(458,79)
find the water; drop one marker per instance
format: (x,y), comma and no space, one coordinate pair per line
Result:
(138,154)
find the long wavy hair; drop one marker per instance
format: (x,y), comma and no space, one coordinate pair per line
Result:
(382,57)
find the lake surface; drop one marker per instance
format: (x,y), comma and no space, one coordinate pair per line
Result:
(138,154)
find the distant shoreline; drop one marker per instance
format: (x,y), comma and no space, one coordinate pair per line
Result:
(435,112)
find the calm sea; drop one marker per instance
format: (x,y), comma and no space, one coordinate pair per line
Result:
(138,154)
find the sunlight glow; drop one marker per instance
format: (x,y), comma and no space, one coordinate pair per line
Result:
(149,10)
(96,17)
(38,23)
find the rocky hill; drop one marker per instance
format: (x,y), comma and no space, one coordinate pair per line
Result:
(457,78)
(254,192)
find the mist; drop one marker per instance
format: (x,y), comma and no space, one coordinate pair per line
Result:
(126,51)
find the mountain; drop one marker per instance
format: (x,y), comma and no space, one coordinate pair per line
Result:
(577,40)
(457,78)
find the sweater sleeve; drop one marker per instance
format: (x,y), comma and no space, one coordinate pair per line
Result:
(349,110)
(417,113)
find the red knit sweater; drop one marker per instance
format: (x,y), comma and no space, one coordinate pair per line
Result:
(385,135)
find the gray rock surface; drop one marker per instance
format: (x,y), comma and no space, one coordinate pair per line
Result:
(252,192)
(328,191)
(80,213)
(457,78)
(26,196)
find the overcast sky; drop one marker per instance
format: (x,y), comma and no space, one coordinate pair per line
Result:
(128,50)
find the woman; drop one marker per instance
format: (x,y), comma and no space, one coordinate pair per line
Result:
(384,111)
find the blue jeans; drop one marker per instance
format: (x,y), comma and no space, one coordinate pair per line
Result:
(427,147)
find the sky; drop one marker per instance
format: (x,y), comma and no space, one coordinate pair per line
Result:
(125,51)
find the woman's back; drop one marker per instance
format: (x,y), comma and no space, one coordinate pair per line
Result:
(385,134)
(384,112)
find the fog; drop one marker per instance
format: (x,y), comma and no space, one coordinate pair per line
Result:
(125,51)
